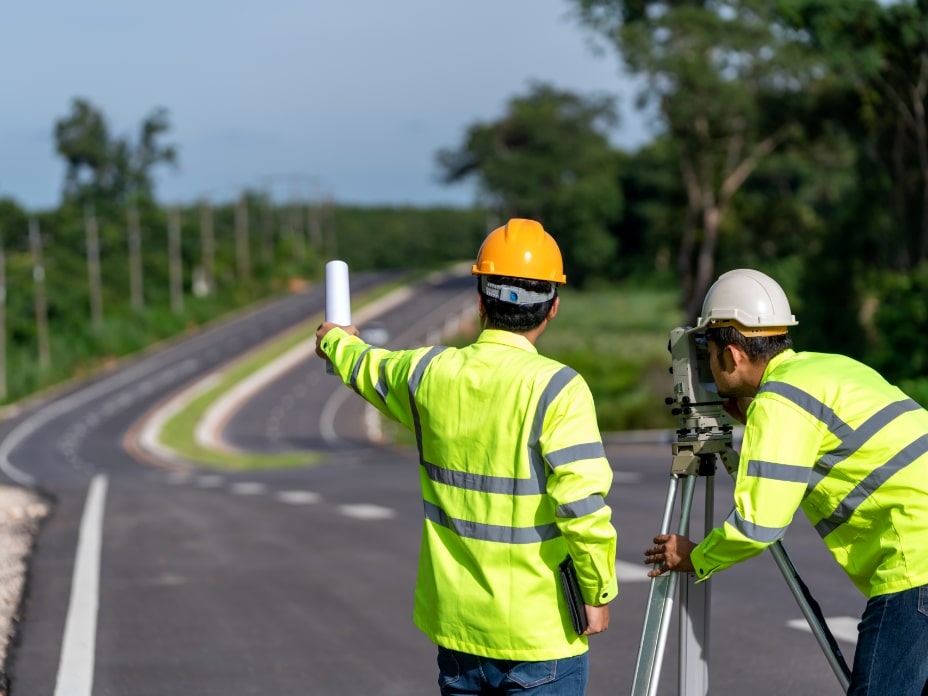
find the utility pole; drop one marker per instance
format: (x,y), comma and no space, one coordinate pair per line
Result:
(93,269)
(135,259)
(175,266)
(241,240)
(3,386)
(296,222)
(41,306)
(267,229)
(208,246)
(330,223)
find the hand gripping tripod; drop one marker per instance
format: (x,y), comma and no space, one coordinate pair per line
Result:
(706,433)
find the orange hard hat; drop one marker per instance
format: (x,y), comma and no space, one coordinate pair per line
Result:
(520,249)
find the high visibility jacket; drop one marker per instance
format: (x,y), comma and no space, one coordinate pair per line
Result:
(513,478)
(830,435)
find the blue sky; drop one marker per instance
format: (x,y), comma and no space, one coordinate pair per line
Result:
(349,99)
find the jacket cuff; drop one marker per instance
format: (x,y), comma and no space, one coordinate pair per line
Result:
(602,595)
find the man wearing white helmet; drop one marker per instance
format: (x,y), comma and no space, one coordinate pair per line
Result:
(829,435)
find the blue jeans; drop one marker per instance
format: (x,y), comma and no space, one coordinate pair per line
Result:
(461,673)
(892,646)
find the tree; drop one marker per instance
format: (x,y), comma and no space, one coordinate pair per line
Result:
(101,167)
(549,158)
(881,51)
(726,80)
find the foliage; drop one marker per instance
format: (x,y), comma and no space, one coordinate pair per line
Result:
(617,339)
(103,167)
(549,159)
(897,315)
(713,70)
(406,238)
(259,250)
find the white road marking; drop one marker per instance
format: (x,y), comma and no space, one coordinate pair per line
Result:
(364,511)
(75,670)
(631,572)
(247,488)
(626,477)
(210,481)
(299,497)
(842,627)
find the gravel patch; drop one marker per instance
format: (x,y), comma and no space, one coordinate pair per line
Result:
(21,515)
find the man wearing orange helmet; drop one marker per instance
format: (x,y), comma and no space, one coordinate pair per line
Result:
(513,477)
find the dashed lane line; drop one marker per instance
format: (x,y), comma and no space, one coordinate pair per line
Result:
(365,511)
(842,627)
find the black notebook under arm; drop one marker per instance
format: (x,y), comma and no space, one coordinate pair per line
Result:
(575,603)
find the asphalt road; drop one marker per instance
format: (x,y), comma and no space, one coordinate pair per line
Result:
(300,581)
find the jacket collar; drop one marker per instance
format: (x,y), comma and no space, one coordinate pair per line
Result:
(506,338)
(775,362)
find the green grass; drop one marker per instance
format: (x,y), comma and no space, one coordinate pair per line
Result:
(617,339)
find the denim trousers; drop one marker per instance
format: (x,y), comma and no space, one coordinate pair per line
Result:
(461,673)
(892,646)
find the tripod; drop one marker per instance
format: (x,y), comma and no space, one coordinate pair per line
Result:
(694,456)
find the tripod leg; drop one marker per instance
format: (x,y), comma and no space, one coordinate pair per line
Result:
(693,671)
(813,614)
(660,601)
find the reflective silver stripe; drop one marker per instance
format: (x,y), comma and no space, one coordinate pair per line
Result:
(382,388)
(871,483)
(491,532)
(866,430)
(535,483)
(413,386)
(483,483)
(576,453)
(554,387)
(811,405)
(357,369)
(778,472)
(581,508)
(755,532)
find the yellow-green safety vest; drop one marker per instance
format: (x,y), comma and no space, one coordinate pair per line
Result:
(513,477)
(828,434)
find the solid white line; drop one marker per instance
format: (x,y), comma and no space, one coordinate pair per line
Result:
(75,671)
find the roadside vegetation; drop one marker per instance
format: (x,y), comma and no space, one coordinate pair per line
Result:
(787,137)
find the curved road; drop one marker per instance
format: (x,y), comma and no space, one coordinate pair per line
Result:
(300,581)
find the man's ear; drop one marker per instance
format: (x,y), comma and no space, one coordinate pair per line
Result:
(553,311)
(734,357)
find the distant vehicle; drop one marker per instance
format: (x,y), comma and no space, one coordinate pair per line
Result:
(375,333)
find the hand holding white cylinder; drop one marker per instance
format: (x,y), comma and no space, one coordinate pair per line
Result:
(337,293)
(337,297)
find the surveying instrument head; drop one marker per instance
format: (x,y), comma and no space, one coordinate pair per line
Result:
(695,399)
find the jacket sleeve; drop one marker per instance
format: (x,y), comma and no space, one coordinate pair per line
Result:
(778,451)
(579,479)
(377,375)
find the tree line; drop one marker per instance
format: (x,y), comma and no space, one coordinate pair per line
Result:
(790,137)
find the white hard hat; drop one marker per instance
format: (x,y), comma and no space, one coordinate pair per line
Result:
(752,302)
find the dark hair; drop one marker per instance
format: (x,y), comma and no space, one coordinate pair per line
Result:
(757,348)
(514,317)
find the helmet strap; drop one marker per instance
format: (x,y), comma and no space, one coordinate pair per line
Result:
(513,295)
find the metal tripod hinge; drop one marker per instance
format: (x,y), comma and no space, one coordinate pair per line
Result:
(694,456)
